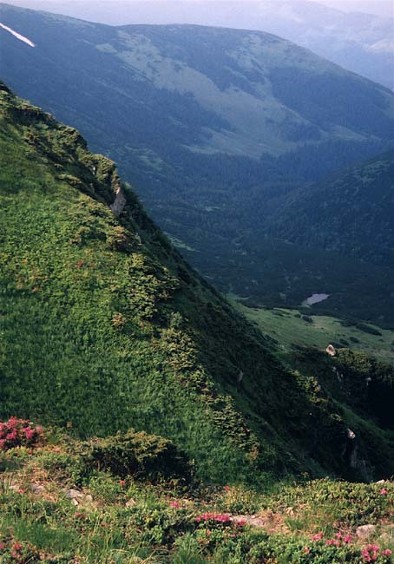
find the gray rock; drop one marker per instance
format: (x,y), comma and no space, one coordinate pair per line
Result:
(37,488)
(365,531)
(74,494)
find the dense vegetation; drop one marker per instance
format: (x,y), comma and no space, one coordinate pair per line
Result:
(215,146)
(57,506)
(351,214)
(99,310)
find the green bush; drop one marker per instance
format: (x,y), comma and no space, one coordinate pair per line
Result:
(140,455)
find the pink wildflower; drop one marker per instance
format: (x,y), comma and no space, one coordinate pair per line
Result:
(370,553)
(318,536)
(13,422)
(218,517)
(29,433)
(384,491)
(12,436)
(175,504)
(333,542)
(387,552)
(17,546)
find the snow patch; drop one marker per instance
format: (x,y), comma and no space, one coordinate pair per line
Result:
(17,35)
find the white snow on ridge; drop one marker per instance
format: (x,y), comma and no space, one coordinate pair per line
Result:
(18,35)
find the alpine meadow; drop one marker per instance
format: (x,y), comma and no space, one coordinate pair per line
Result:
(196,304)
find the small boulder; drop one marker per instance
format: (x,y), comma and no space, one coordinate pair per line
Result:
(330,350)
(74,494)
(365,531)
(37,488)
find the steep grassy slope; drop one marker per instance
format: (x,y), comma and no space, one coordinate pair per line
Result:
(104,327)
(213,143)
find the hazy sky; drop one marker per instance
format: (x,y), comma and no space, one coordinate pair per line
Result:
(381,7)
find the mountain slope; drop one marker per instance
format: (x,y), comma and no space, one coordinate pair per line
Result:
(104,327)
(351,214)
(212,143)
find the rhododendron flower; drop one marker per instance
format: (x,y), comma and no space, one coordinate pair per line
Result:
(18,432)
(333,542)
(370,553)
(347,539)
(387,552)
(17,546)
(13,422)
(29,433)
(318,536)
(218,517)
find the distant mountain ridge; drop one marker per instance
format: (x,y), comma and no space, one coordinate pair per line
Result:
(362,43)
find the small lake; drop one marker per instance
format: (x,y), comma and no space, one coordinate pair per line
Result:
(315,299)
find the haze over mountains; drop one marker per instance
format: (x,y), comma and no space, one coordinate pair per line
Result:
(214,144)
(360,42)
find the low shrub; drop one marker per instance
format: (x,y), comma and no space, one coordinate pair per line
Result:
(140,455)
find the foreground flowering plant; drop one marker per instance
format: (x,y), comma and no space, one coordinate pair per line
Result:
(11,550)
(370,553)
(216,517)
(18,432)
(373,553)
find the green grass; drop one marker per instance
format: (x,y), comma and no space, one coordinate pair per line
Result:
(131,520)
(289,328)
